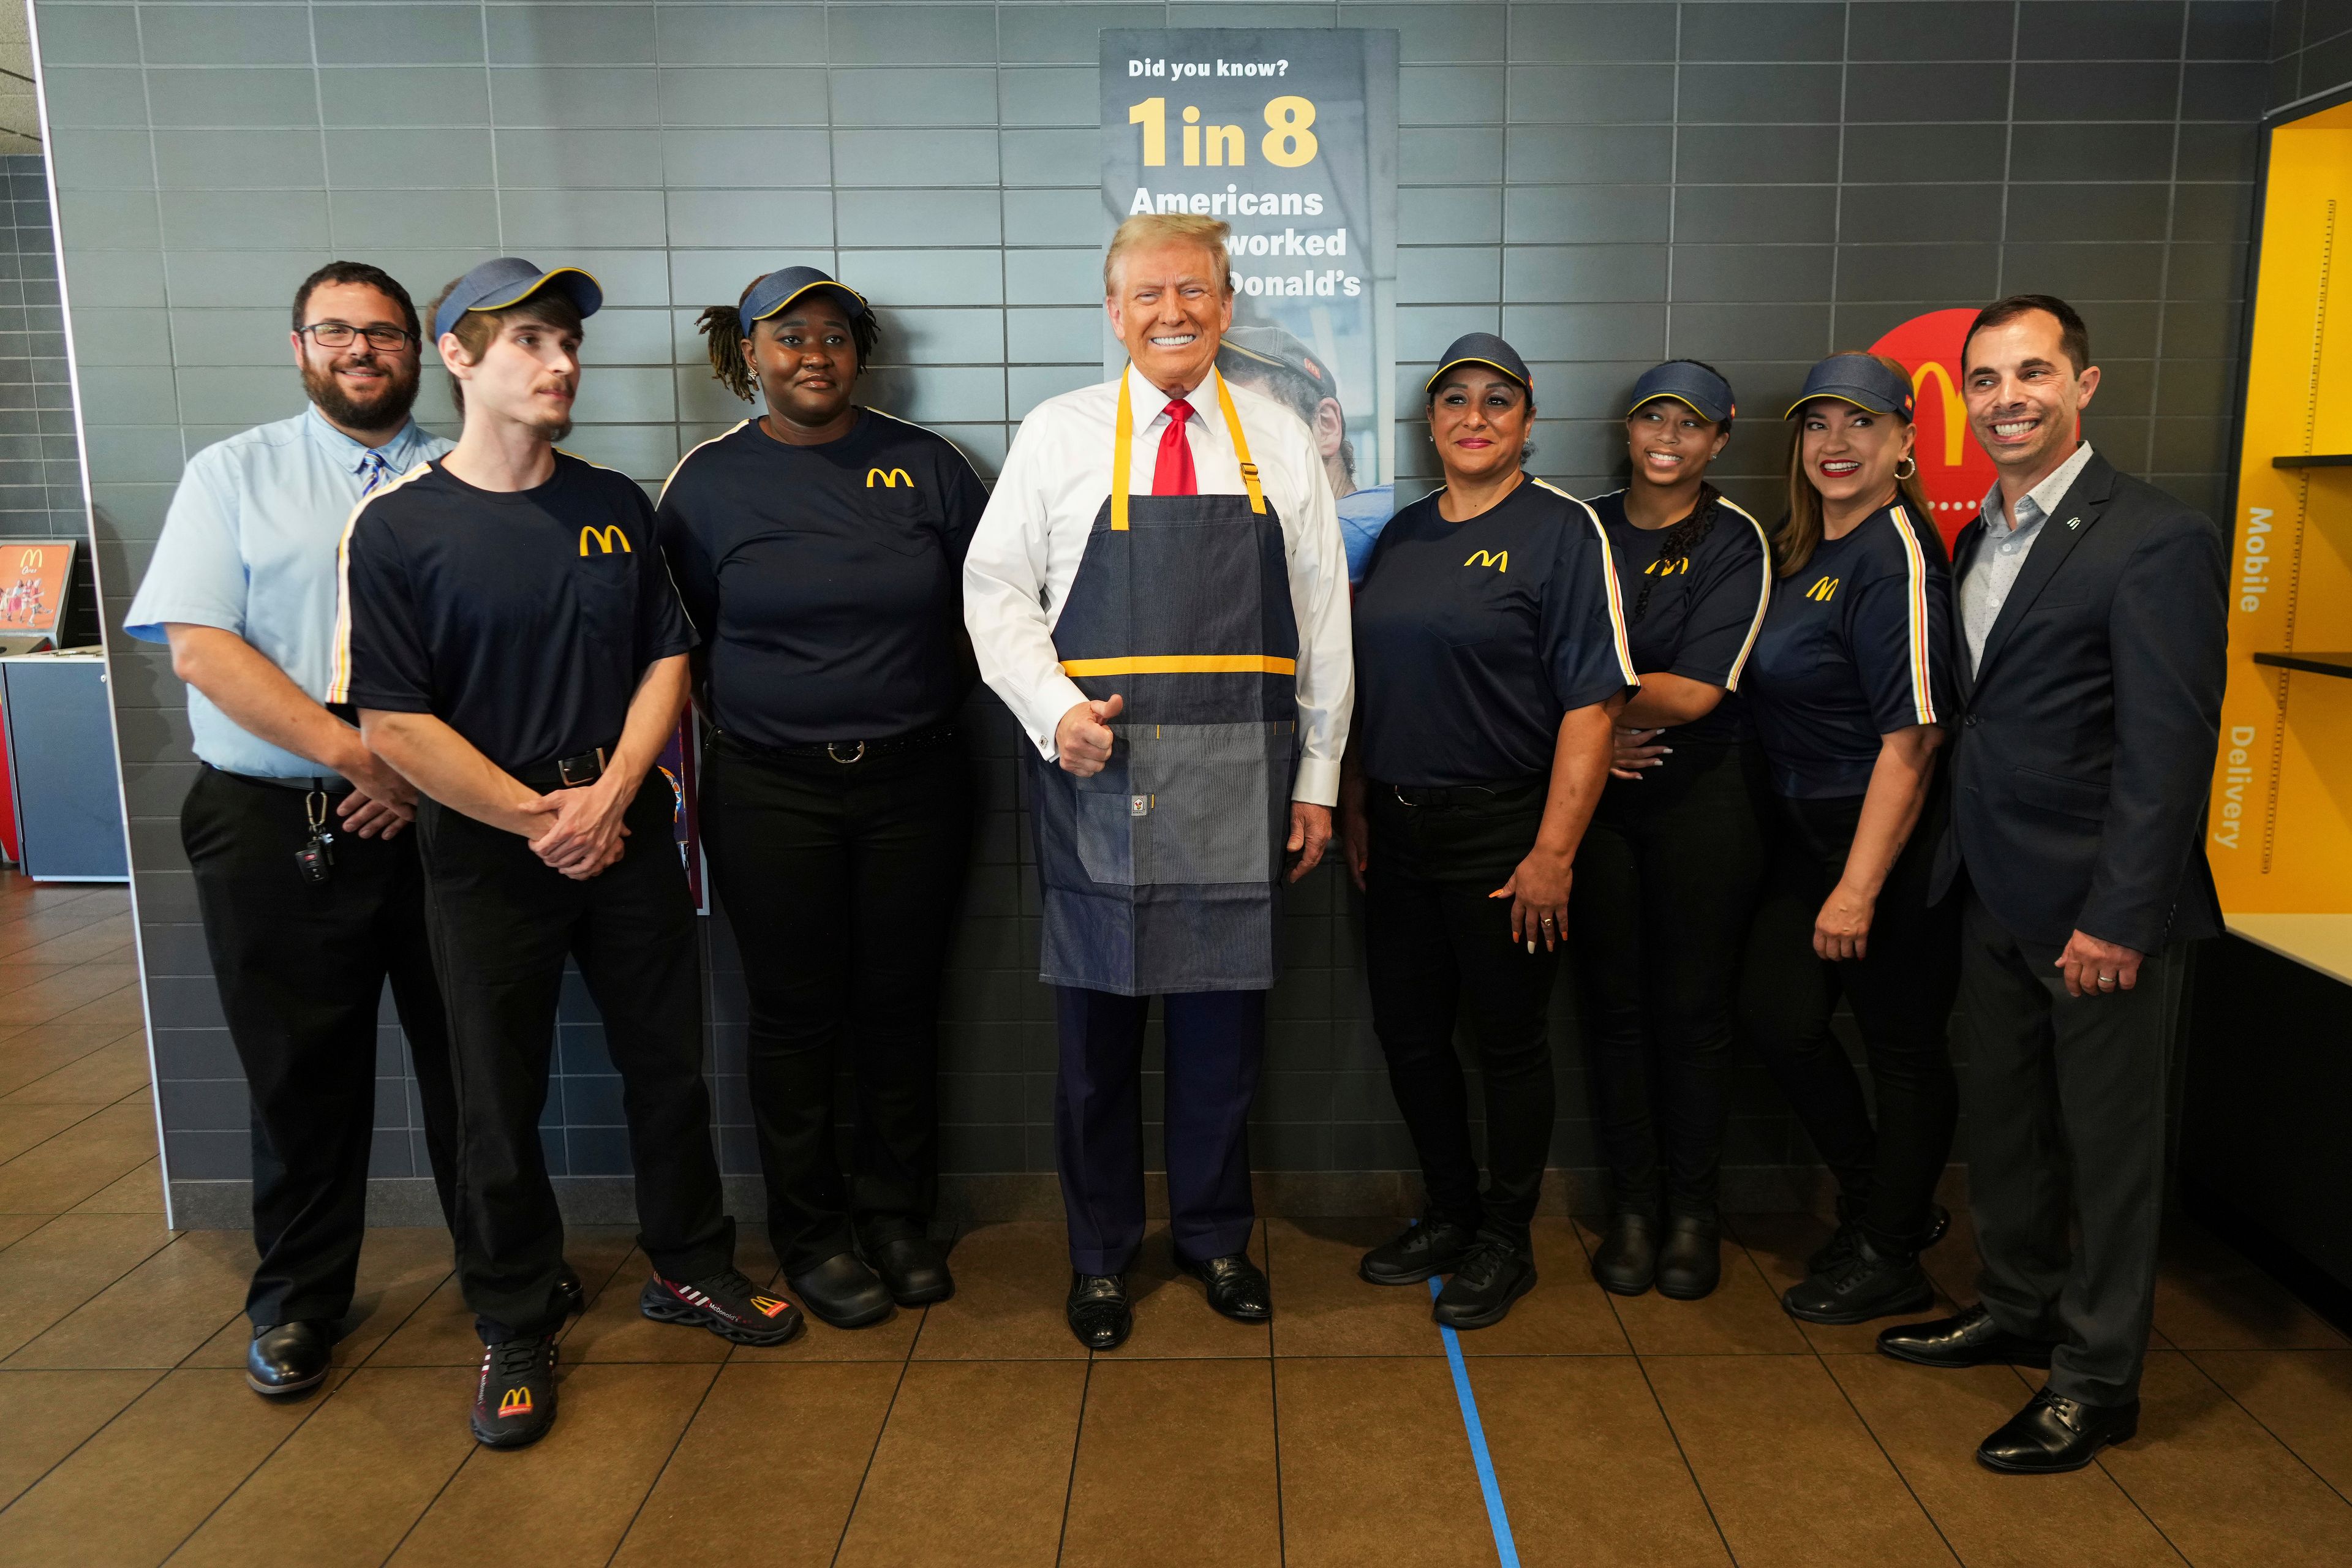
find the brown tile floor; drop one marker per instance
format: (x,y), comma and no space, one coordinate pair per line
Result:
(1622,1432)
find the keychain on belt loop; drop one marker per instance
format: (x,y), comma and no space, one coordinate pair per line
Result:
(316,859)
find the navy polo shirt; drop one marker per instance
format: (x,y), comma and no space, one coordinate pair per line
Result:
(1855,645)
(1474,639)
(825,581)
(522,619)
(1696,615)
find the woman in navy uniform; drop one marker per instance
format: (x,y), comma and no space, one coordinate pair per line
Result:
(1491,660)
(1848,685)
(817,549)
(1666,879)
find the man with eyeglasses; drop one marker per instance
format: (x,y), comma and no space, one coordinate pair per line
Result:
(308,885)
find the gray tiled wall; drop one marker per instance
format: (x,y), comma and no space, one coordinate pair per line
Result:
(2311,49)
(1606,183)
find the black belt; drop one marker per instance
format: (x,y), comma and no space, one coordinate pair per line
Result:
(1459,795)
(842,751)
(566,773)
(321,783)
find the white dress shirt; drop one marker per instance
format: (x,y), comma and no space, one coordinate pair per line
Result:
(1026,552)
(2000,554)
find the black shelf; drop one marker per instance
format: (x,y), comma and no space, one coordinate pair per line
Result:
(2338,664)
(2316,460)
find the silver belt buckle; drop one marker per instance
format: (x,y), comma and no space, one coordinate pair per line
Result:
(858,755)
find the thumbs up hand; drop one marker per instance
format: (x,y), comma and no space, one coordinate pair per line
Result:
(1082,739)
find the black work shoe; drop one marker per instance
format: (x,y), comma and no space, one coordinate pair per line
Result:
(1479,1295)
(2055,1433)
(1422,1250)
(1834,1252)
(726,1303)
(1868,1284)
(843,1292)
(1237,1288)
(913,1270)
(1690,1260)
(1972,1338)
(570,1295)
(514,1404)
(1626,1261)
(288,1358)
(1098,1311)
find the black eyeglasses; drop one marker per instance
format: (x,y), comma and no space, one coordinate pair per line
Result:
(340,335)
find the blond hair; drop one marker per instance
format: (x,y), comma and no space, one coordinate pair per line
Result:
(1801,531)
(1146,229)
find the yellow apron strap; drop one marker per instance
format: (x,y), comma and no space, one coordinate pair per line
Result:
(1241,444)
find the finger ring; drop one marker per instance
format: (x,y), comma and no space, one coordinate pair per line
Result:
(1547,920)
(2106,980)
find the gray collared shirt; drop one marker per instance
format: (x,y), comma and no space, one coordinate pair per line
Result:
(1997,561)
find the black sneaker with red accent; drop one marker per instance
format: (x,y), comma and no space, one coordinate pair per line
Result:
(726,1303)
(514,1404)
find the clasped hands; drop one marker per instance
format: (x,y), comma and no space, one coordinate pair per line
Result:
(1082,742)
(579,831)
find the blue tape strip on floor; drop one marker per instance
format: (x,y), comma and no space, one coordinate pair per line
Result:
(1497,1516)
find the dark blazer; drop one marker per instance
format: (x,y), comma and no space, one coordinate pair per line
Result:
(2084,754)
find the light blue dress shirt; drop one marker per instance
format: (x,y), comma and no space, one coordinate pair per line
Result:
(2000,556)
(250,546)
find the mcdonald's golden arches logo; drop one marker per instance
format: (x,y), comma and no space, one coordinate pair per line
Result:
(1824,589)
(1666,568)
(890,479)
(1501,560)
(30,561)
(514,1402)
(606,537)
(769,1306)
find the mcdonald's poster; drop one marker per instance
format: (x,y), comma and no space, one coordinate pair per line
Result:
(1289,136)
(1953,470)
(34,574)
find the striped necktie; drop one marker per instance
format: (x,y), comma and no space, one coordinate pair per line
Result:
(375,469)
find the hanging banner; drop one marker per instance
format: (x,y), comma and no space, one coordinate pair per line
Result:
(1289,135)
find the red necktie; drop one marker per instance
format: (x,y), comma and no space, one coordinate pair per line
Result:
(1173,475)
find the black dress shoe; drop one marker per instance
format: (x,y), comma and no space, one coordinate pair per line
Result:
(1690,1260)
(2055,1433)
(1495,1274)
(913,1268)
(1868,1284)
(1422,1250)
(570,1293)
(1627,1259)
(1098,1311)
(287,1358)
(1972,1338)
(843,1292)
(1237,1288)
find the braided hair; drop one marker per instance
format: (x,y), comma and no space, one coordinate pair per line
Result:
(721,327)
(1681,539)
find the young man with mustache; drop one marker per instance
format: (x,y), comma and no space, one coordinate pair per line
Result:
(2092,613)
(243,588)
(515,651)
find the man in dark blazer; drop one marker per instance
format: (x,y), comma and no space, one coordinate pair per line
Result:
(2092,610)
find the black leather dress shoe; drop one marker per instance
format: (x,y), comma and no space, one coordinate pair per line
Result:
(1422,1250)
(2055,1433)
(1626,1261)
(1098,1311)
(1972,1338)
(913,1270)
(1495,1274)
(571,1292)
(1237,1288)
(288,1358)
(1690,1260)
(1868,1284)
(843,1292)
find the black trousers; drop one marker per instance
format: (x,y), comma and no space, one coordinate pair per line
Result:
(1436,947)
(1901,994)
(1214,1044)
(301,968)
(2068,1101)
(842,882)
(502,925)
(1666,889)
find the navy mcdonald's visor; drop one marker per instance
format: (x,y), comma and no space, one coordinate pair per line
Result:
(1861,380)
(1692,385)
(510,280)
(781,287)
(1482,348)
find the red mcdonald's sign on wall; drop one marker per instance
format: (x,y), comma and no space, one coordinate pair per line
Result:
(1953,469)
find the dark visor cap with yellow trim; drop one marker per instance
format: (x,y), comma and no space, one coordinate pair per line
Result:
(1695,386)
(1861,380)
(510,280)
(786,284)
(1482,348)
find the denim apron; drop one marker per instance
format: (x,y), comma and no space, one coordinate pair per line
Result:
(1159,873)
